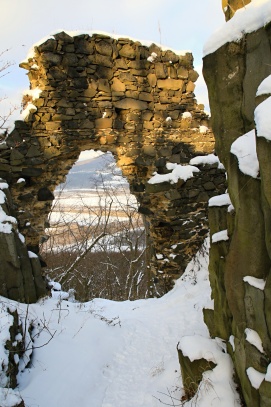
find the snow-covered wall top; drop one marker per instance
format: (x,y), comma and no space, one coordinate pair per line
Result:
(146,43)
(246,20)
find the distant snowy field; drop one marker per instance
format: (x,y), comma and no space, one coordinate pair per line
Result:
(93,170)
(94,181)
(119,354)
(72,206)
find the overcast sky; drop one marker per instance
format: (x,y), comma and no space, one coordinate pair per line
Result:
(179,24)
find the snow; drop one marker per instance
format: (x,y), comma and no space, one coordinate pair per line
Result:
(255,377)
(117,354)
(6,320)
(230,208)
(198,347)
(231,340)
(88,155)
(244,148)
(246,20)
(21,237)
(214,381)
(31,52)
(159,256)
(59,295)
(187,115)
(268,373)
(208,159)
(6,221)
(265,87)
(16,359)
(2,197)
(203,129)
(54,285)
(220,236)
(255,282)
(67,203)
(5,227)
(9,398)
(18,337)
(254,339)
(34,93)
(30,108)
(3,185)
(32,255)
(20,180)
(152,57)
(178,172)
(220,200)
(35,67)
(262,119)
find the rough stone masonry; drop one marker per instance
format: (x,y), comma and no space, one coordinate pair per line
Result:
(137,102)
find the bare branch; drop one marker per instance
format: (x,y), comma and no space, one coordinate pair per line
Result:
(4,65)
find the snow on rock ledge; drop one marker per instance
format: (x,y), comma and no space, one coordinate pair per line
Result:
(246,20)
(33,93)
(256,378)
(220,200)
(178,172)
(209,159)
(220,236)
(244,148)
(254,339)
(265,87)
(147,43)
(263,119)
(217,371)
(6,222)
(255,282)
(199,347)
(30,108)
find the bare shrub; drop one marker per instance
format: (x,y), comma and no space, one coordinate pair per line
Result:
(99,251)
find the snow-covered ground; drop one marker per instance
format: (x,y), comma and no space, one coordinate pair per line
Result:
(84,206)
(122,354)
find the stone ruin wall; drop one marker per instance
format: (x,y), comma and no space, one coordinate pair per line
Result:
(123,97)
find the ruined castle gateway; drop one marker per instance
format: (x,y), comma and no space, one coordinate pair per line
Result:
(96,92)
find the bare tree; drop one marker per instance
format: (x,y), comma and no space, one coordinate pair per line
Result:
(5,115)
(98,249)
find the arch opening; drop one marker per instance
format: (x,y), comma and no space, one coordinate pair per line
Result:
(96,243)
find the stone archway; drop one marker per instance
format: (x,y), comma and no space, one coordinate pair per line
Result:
(96,92)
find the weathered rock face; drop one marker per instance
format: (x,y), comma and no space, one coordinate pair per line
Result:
(20,276)
(134,101)
(233,74)
(231,6)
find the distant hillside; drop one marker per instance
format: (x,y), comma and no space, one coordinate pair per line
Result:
(94,173)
